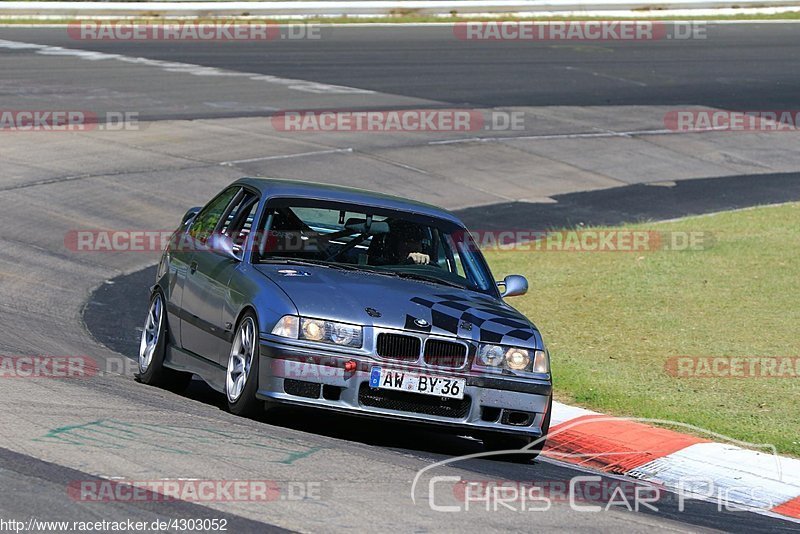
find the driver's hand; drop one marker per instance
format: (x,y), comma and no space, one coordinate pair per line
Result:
(419,258)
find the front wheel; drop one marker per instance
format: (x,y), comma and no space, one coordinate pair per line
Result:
(152,348)
(241,378)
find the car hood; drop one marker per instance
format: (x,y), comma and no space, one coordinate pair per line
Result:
(371,299)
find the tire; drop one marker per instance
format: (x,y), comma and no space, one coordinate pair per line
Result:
(508,442)
(241,375)
(153,347)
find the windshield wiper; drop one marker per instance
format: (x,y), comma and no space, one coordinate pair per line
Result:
(362,268)
(295,261)
(318,263)
(428,278)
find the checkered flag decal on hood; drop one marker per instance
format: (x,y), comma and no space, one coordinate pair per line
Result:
(496,323)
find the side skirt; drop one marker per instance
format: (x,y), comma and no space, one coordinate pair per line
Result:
(181,360)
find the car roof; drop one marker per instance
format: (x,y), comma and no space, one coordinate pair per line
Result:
(274,187)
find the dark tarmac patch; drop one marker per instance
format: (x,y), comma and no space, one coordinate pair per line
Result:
(29,476)
(736,66)
(638,203)
(115,312)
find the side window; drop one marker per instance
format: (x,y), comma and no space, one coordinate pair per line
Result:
(448,256)
(206,221)
(239,220)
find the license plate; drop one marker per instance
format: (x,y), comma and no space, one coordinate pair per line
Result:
(437,386)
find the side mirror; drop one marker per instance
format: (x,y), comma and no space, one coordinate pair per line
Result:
(223,244)
(513,285)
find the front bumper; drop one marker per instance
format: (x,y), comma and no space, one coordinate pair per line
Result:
(300,376)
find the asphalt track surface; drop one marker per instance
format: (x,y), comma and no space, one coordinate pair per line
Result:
(752,66)
(365,468)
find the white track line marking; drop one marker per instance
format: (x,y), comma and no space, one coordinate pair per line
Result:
(561,413)
(185,68)
(607,76)
(287,156)
(549,137)
(607,15)
(691,15)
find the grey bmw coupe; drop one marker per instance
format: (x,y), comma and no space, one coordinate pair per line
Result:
(285,292)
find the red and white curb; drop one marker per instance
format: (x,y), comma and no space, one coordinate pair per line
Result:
(761,481)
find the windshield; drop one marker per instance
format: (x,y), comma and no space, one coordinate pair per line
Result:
(384,241)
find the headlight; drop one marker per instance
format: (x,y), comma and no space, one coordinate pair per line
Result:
(514,358)
(517,359)
(491,355)
(345,334)
(319,330)
(312,329)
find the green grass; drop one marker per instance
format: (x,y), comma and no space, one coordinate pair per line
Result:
(612,319)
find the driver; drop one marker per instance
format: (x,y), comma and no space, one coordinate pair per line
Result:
(407,244)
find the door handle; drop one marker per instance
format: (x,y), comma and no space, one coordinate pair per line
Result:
(193,267)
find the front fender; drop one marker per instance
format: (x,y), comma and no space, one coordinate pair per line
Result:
(250,288)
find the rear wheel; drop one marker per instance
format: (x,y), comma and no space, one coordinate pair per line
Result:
(241,377)
(152,348)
